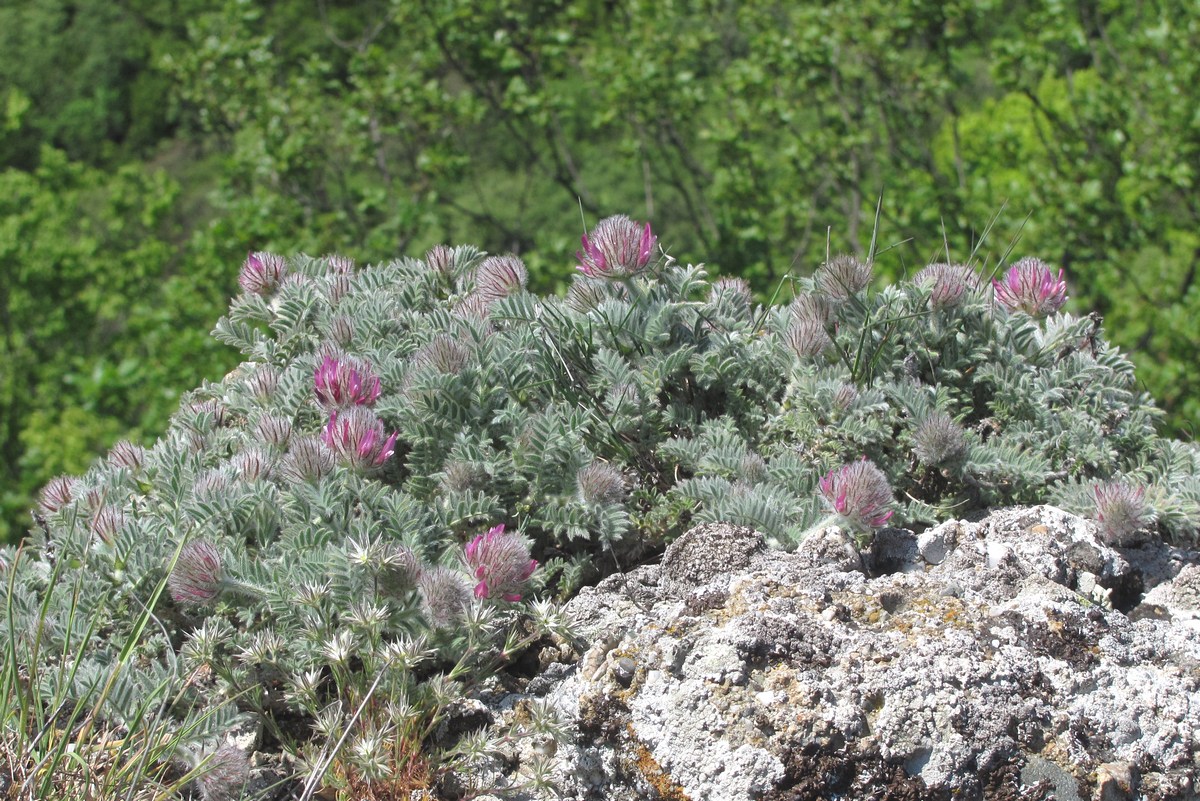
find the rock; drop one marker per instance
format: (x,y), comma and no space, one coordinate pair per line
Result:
(705,553)
(995,669)
(895,550)
(1116,781)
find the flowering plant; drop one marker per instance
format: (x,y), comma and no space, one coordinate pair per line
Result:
(302,549)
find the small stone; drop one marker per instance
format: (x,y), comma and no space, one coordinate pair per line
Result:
(932,546)
(622,670)
(1086,584)
(1116,781)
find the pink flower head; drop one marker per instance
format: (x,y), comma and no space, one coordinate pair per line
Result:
(859,492)
(341,382)
(616,248)
(501,563)
(359,438)
(262,273)
(1031,287)
(197,577)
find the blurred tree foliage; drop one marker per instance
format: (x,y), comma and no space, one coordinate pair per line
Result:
(148,144)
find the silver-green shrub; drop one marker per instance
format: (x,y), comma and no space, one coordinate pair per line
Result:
(309,535)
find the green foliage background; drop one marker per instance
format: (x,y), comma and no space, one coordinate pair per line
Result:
(147,145)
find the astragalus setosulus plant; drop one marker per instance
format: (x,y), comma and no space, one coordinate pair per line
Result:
(339,540)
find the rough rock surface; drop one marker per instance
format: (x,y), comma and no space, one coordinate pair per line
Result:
(1017,657)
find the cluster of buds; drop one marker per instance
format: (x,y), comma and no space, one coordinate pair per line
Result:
(59,492)
(616,248)
(1030,286)
(501,564)
(126,454)
(1121,512)
(500,276)
(842,277)
(445,595)
(340,383)
(262,273)
(947,283)
(198,577)
(939,440)
(806,334)
(600,483)
(859,492)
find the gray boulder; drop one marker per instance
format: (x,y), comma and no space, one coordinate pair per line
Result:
(1017,657)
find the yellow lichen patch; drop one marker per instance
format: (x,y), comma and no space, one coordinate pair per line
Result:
(922,615)
(666,787)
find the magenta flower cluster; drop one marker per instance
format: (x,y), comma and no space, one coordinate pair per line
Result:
(1030,286)
(859,492)
(616,248)
(501,564)
(347,388)
(358,437)
(341,382)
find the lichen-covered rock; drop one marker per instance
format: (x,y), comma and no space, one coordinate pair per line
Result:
(1023,658)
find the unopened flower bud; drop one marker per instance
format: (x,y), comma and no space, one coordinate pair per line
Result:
(341,330)
(1121,513)
(842,277)
(225,774)
(735,290)
(459,476)
(126,454)
(262,273)
(252,464)
(107,521)
(500,276)
(939,440)
(440,259)
(600,483)
(273,430)
(197,577)
(443,353)
(307,460)
(57,493)
(807,338)
(263,382)
(340,265)
(947,283)
(445,595)
(586,294)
